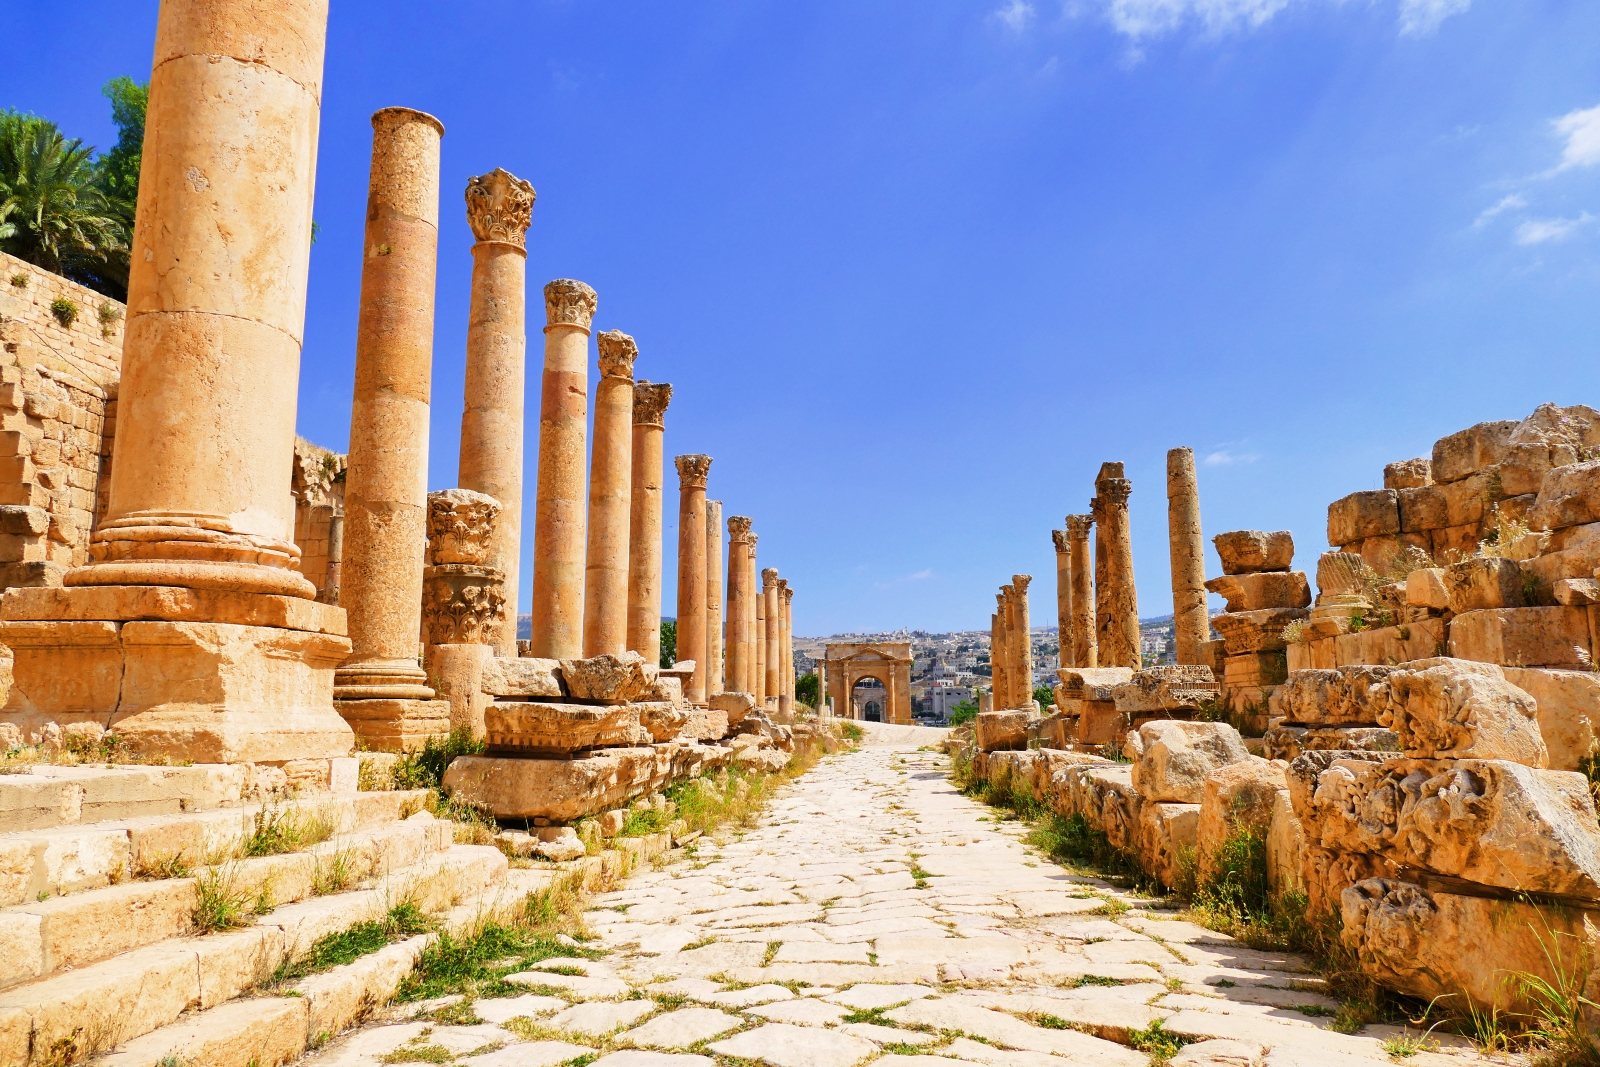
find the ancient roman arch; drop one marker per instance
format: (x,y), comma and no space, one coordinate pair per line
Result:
(887,661)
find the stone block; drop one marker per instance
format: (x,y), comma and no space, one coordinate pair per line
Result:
(1567,704)
(614,679)
(1456,709)
(1167,837)
(1236,798)
(662,720)
(1435,507)
(1578,562)
(1408,474)
(396,725)
(1482,582)
(1104,795)
(735,705)
(23,521)
(1167,688)
(1375,513)
(1523,637)
(1400,643)
(1001,731)
(704,724)
(1425,588)
(1469,451)
(1577,592)
(564,790)
(1177,756)
(1256,631)
(1255,670)
(1489,821)
(1250,551)
(1267,589)
(1351,695)
(1287,741)
(1526,463)
(518,727)
(1453,543)
(1286,846)
(524,676)
(1569,496)
(1100,723)
(129,603)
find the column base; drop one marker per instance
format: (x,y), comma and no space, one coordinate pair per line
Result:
(396,725)
(381,680)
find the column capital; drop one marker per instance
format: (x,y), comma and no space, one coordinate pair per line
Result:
(1111,494)
(693,470)
(1000,601)
(461,527)
(783,584)
(1063,541)
(752,539)
(1019,583)
(617,353)
(1078,526)
(500,207)
(568,302)
(787,593)
(769,578)
(739,528)
(650,400)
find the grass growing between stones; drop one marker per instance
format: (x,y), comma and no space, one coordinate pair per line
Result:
(347,946)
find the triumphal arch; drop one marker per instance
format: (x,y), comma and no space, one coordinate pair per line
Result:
(888,662)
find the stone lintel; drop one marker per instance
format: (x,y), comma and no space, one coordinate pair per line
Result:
(168,603)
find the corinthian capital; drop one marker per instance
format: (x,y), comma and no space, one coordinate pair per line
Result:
(1019,583)
(617,353)
(569,303)
(786,592)
(1062,540)
(769,578)
(499,207)
(1078,526)
(1111,494)
(650,401)
(693,471)
(739,527)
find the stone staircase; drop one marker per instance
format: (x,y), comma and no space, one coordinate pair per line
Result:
(101,892)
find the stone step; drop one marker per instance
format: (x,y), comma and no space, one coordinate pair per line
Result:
(92,855)
(44,937)
(65,1017)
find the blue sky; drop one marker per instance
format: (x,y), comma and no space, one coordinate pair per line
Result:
(916,268)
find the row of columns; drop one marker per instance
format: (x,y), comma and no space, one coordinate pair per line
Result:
(1011,646)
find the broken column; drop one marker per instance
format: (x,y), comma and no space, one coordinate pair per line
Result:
(1191,626)
(1264,598)
(739,604)
(499,209)
(1116,601)
(558,542)
(650,401)
(1020,643)
(1063,545)
(715,666)
(386,499)
(1084,648)
(693,471)
(769,604)
(605,585)
(191,632)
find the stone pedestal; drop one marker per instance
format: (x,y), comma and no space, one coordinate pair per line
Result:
(650,401)
(1084,646)
(715,666)
(1116,602)
(692,474)
(738,670)
(605,590)
(499,208)
(385,497)
(558,542)
(1191,625)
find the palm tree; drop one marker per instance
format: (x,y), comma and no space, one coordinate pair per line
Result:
(58,217)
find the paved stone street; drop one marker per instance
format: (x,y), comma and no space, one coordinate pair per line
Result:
(876,914)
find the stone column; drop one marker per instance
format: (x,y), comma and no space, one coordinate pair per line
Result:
(714,660)
(822,688)
(386,486)
(1021,644)
(1063,597)
(758,634)
(463,603)
(785,652)
(650,401)
(1083,629)
(1191,622)
(999,663)
(558,542)
(770,620)
(1117,608)
(693,471)
(739,604)
(605,584)
(329,593)
(499,208)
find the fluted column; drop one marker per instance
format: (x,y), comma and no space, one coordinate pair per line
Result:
(1021,643)
(1063,597)
(605,583)
(386,484)
(1191,622)
(650,401)
(770,618)
(216,306)
(1116,607)
(1083,628)
(558,541)
(692,474)
(714,659)
(499,208)
(739,604)
(758,630)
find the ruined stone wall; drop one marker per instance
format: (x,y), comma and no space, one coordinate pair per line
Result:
(60,359)
(317,483)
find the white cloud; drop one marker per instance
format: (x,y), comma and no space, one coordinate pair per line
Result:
(1538,231)
(1015,15)
(1222,457)
(920,575)
(1582,130)
(1507,203)
(1419,18)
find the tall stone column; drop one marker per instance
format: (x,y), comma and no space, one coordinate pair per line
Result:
(693,472)
(714,652)
(785,650)
(739,604)
(234,660)
(1063,597)
(758,632)
(770,618)
(1021,644)
(1084,648)
(650,401)
(499,209)
(386,485)
(788,642)
(1117,607)
(605,584)
(999,662)
(558,542)
(1191,622)
(822,688)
